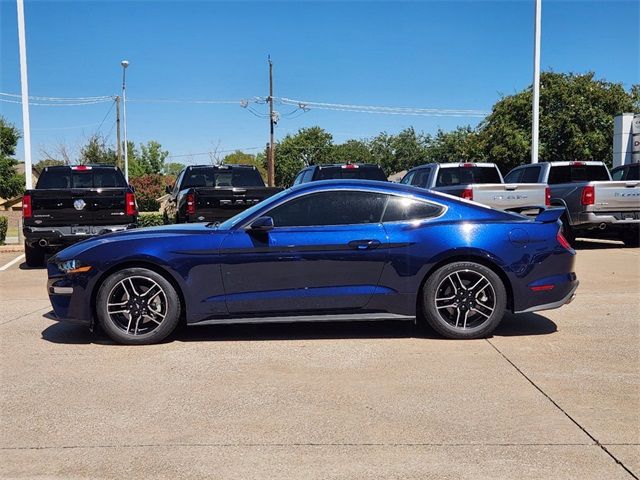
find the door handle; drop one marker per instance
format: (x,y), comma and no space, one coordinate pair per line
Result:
(364,244)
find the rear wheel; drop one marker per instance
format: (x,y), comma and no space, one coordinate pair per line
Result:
(34,256)
(137,306)
(464,300)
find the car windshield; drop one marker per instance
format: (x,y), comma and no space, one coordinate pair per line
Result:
(233,221)
(448,176)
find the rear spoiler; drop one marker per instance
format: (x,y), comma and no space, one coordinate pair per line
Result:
(550,215)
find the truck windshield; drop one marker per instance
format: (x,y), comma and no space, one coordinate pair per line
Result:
(215,177)
(91,178)
(358,172)
(448,176)
(577,173)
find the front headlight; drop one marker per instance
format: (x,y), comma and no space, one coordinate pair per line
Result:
(73,266)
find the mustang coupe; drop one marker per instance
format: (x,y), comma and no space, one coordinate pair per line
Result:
(322,251)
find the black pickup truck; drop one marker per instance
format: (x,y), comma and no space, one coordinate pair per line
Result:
(72,203)
(213,193)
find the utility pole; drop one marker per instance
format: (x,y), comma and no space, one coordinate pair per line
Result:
(119,148)
(535,124)
(24,84)
(270,162)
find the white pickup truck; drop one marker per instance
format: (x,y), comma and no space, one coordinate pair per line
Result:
(480,182)
(591,199)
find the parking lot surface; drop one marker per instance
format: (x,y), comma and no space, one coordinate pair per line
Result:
(550,395)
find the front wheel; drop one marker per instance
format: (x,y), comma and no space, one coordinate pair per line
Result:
(137,306)
(464,300)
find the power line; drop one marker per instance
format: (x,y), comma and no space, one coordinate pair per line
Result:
(106,115)
(214,151)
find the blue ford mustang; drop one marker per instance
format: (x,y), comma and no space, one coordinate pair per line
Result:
(329,250)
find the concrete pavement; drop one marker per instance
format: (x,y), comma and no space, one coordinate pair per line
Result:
(555,395)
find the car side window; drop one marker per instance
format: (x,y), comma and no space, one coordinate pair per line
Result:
(400,209)
(530,174)
(176,186)
(307,176)
(330,208)
(421,177)
(618,174)
(406,180)
(298,179)
(514,176)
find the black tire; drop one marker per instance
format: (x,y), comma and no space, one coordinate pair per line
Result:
(473,303)
(34,256)
(631,238)
(143,325)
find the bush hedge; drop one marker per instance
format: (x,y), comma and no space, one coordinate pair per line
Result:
(150,219)
(4,223)
(148,189)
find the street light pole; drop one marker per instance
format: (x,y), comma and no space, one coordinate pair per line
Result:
(125,64)
(535,124)
(24,83)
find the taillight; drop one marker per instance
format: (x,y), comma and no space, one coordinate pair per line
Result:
(467,165)
(349,165)
(588,195)
(547,196)
(26,206)
(191,203)
(130,204)
(467,194)
(564,243)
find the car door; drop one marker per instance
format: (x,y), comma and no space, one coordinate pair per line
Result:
(326,252)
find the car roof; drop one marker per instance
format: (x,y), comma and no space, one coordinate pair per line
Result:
(224,166)
(74,167)
(340,165)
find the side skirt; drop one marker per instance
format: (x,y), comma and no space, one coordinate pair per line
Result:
(350,317)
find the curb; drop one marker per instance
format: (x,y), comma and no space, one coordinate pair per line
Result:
(11,248)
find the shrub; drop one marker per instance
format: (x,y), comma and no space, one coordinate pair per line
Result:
(4,222)
(150,219)
(148,189)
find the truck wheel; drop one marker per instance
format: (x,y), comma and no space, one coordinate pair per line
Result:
(137,306)
(34,256)
(631,238)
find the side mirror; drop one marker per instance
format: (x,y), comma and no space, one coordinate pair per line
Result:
(168,188)
(261,224)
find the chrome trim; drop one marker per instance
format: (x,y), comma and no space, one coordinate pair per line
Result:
(347,317)
(550,306)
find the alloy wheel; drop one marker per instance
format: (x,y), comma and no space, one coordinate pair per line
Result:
(465,299)
(137,305)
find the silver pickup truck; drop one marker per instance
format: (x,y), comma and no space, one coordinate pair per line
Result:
(591,199)
(480,182)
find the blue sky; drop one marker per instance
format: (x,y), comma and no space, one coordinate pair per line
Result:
(447,54)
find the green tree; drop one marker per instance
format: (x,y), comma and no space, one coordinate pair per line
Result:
(173,168)
(149,160)
(576,120)
(97,151)
(309,146)
(241,158)
(461,144)
(47,162)
(11,183)
(355,151)
(400,152)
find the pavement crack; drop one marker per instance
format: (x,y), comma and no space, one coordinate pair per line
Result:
(575,422)
(25,315)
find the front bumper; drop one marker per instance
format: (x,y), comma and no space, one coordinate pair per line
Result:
(68,296)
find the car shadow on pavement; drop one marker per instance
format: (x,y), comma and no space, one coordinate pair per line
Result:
(512,325)
(597,244)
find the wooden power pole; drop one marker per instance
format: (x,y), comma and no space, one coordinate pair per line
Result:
(119,149)
(270,153)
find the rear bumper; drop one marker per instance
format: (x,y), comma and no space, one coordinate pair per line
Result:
(595,219)
(67,235)
(566,299)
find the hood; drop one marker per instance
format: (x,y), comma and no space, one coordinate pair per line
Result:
(146,234)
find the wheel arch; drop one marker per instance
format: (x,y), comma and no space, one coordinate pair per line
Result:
(138,264)
(468,257)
